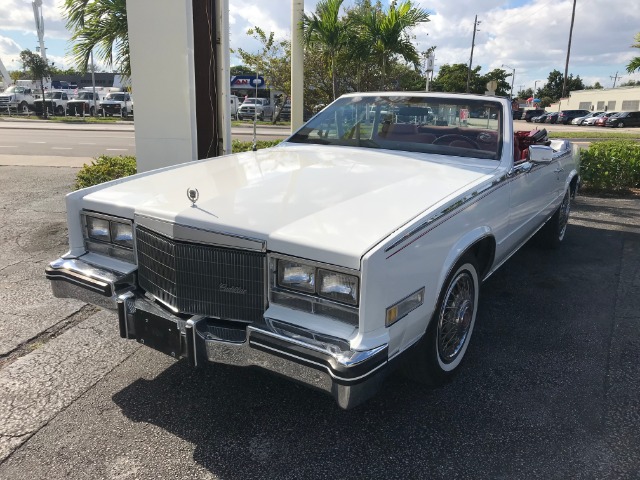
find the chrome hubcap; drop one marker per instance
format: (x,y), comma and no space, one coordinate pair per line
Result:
(456,315)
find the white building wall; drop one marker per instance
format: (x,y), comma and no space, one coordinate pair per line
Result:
(606,99)
(163,86)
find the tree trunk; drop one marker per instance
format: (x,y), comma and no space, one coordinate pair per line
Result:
(334,80)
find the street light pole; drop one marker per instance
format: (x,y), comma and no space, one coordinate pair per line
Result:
(513,77)
(566,65)
(473,42)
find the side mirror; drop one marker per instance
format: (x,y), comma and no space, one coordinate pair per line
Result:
(540,154)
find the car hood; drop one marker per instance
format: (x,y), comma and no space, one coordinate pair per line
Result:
(331,204)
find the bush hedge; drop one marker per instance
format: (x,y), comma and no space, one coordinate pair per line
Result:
(240,146)
(105,168)
(611,166)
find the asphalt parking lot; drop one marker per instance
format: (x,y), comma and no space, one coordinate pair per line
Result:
(550,389)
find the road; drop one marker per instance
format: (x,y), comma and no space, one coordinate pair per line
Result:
(36,138)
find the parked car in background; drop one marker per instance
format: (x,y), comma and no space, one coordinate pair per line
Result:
(601,121)
(624,119)
(581,120)
(348,250)
(591,121)
(528,115)
(55,102)
(117,103)
(551,117)
(541,118)
(84,104)
(566,116)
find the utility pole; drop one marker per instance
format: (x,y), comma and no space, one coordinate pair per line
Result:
(297,66)
(566,65)
(513,77)
(615,79)
(473,42)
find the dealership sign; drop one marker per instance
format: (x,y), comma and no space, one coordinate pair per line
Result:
(247,81)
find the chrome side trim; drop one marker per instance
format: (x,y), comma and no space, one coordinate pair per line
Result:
(185,233)
(453,209)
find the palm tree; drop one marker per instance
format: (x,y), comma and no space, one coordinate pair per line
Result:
(99,25)
(635,62)
(388,33)
(325,31)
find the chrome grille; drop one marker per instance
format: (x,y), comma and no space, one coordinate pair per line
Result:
(201,279)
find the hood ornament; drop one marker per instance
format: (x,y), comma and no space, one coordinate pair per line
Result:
(193,195)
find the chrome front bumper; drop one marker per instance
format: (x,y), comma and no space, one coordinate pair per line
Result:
(317,360)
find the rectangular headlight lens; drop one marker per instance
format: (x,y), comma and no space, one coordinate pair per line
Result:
(296,276)
(98,229)
(122,234)
(338,286)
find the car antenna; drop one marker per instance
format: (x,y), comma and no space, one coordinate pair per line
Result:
(255,115)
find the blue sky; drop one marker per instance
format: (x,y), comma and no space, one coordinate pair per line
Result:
(528,35)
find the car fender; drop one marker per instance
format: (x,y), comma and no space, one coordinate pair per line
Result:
(459,249)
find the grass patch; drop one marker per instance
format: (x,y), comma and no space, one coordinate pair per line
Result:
(605,135)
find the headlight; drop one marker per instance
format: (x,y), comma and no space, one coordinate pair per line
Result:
(311,279)
(296,276)
(111,236)
(98,229)
(338,286)
(122,234)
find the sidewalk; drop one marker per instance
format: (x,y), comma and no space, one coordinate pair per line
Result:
(43,161)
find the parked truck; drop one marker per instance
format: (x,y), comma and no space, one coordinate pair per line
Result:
(84,104)
(117,103)
(16,98)
(255,107)
(54,102)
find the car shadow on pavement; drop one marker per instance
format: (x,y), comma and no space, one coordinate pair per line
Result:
(536,399)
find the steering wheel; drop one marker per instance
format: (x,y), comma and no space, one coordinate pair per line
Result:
(448,139)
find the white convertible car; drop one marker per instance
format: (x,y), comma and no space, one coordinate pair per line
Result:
(357,245)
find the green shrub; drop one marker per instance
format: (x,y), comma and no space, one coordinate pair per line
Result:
(105,168)
(240,146)
(611,166)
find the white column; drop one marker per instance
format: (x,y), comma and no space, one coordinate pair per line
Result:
(163,85)
(224,76)
(297,65)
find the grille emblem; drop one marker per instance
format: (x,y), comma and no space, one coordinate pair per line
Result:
(193,195)
(229,289)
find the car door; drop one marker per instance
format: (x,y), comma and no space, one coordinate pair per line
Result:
(533,190)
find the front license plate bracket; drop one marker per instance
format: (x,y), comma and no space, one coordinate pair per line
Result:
(158,333)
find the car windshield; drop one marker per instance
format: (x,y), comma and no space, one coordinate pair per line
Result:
(14,89)
(53,95)
(84,96)
(118,97)
(250,101)
(439,125)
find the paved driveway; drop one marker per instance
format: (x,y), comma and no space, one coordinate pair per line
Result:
(550,388)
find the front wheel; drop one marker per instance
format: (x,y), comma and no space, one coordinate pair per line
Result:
(23,107)
(59,110)
(124,113)
(438,355)
(620,124)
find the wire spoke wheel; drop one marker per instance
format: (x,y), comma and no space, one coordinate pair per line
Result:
(456,317)
(563,215)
